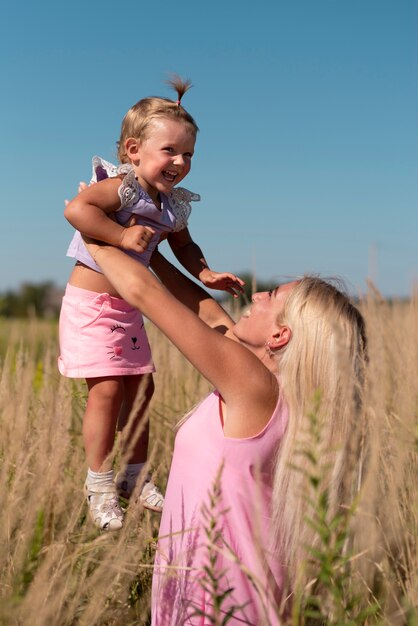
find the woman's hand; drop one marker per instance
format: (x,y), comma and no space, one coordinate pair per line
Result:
(82,185)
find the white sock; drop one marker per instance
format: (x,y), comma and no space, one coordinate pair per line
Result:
(99,478)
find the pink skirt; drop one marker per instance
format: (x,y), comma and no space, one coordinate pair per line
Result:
(101,336)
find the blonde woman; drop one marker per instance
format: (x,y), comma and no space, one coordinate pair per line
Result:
(233,517)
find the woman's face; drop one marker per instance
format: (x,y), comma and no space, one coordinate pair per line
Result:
(259,322)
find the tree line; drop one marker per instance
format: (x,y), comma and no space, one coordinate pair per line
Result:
(43,300)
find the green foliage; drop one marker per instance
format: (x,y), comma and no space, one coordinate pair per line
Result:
(39,377)
(214,583)
(41,300)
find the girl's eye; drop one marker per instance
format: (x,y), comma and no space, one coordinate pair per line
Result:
(169,149)
(188,155)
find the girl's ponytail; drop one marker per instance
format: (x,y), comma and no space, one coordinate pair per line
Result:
(179,85)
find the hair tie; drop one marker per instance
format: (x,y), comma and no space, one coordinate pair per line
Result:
(178,102)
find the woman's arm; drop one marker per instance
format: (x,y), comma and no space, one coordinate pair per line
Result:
(246,385)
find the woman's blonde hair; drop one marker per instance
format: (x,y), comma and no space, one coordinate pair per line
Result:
(139,117)
(322,373)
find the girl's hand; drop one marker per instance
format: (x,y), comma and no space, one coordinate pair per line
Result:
(224,281)
(136,238)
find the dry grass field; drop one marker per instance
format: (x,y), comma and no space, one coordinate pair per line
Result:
(58,570)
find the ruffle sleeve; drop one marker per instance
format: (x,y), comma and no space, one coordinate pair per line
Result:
(102,169)
(180,200)
(129,190)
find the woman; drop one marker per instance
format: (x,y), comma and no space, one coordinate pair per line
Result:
(234,518)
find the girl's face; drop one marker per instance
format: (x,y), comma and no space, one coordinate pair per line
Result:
(259,323)
(164,157)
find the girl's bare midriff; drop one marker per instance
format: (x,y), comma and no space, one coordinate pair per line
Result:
(86,278)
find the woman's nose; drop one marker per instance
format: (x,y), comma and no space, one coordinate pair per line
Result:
(260,295)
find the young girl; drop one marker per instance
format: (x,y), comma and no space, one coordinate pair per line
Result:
(102,338)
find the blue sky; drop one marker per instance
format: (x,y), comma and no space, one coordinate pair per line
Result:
(306,160)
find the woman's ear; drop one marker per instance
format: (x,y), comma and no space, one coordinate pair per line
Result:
(132,147)
(280,338)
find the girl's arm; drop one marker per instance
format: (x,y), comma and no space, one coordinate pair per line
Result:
(190,255)
(192,295)
(187,252)
(248,388)
(90,213)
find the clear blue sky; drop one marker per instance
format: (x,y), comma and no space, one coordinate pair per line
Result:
(307,155)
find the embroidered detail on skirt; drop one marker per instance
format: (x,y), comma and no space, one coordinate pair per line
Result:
(101,336)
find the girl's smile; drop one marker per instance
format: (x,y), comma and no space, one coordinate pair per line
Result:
(163,158)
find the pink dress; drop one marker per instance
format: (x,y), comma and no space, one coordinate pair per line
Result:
(216,519)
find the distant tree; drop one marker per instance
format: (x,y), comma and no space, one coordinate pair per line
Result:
(8,303)
(43,300)
(40,300)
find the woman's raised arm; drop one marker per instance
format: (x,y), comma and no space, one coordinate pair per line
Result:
(247,386)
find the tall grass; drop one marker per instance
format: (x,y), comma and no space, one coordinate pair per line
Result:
(57,569)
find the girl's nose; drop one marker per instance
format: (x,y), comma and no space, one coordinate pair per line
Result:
(179,160)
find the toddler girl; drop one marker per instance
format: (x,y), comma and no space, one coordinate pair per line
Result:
(102,338)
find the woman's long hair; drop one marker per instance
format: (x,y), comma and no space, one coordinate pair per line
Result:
(322,374)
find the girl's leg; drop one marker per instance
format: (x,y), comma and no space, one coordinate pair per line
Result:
(100,419)
(99,427)
(134,441)
(135,435)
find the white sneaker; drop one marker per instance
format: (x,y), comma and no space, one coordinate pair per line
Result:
(104,507)
(150,497)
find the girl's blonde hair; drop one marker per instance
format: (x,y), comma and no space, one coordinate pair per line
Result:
(139,117)
(322,373)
